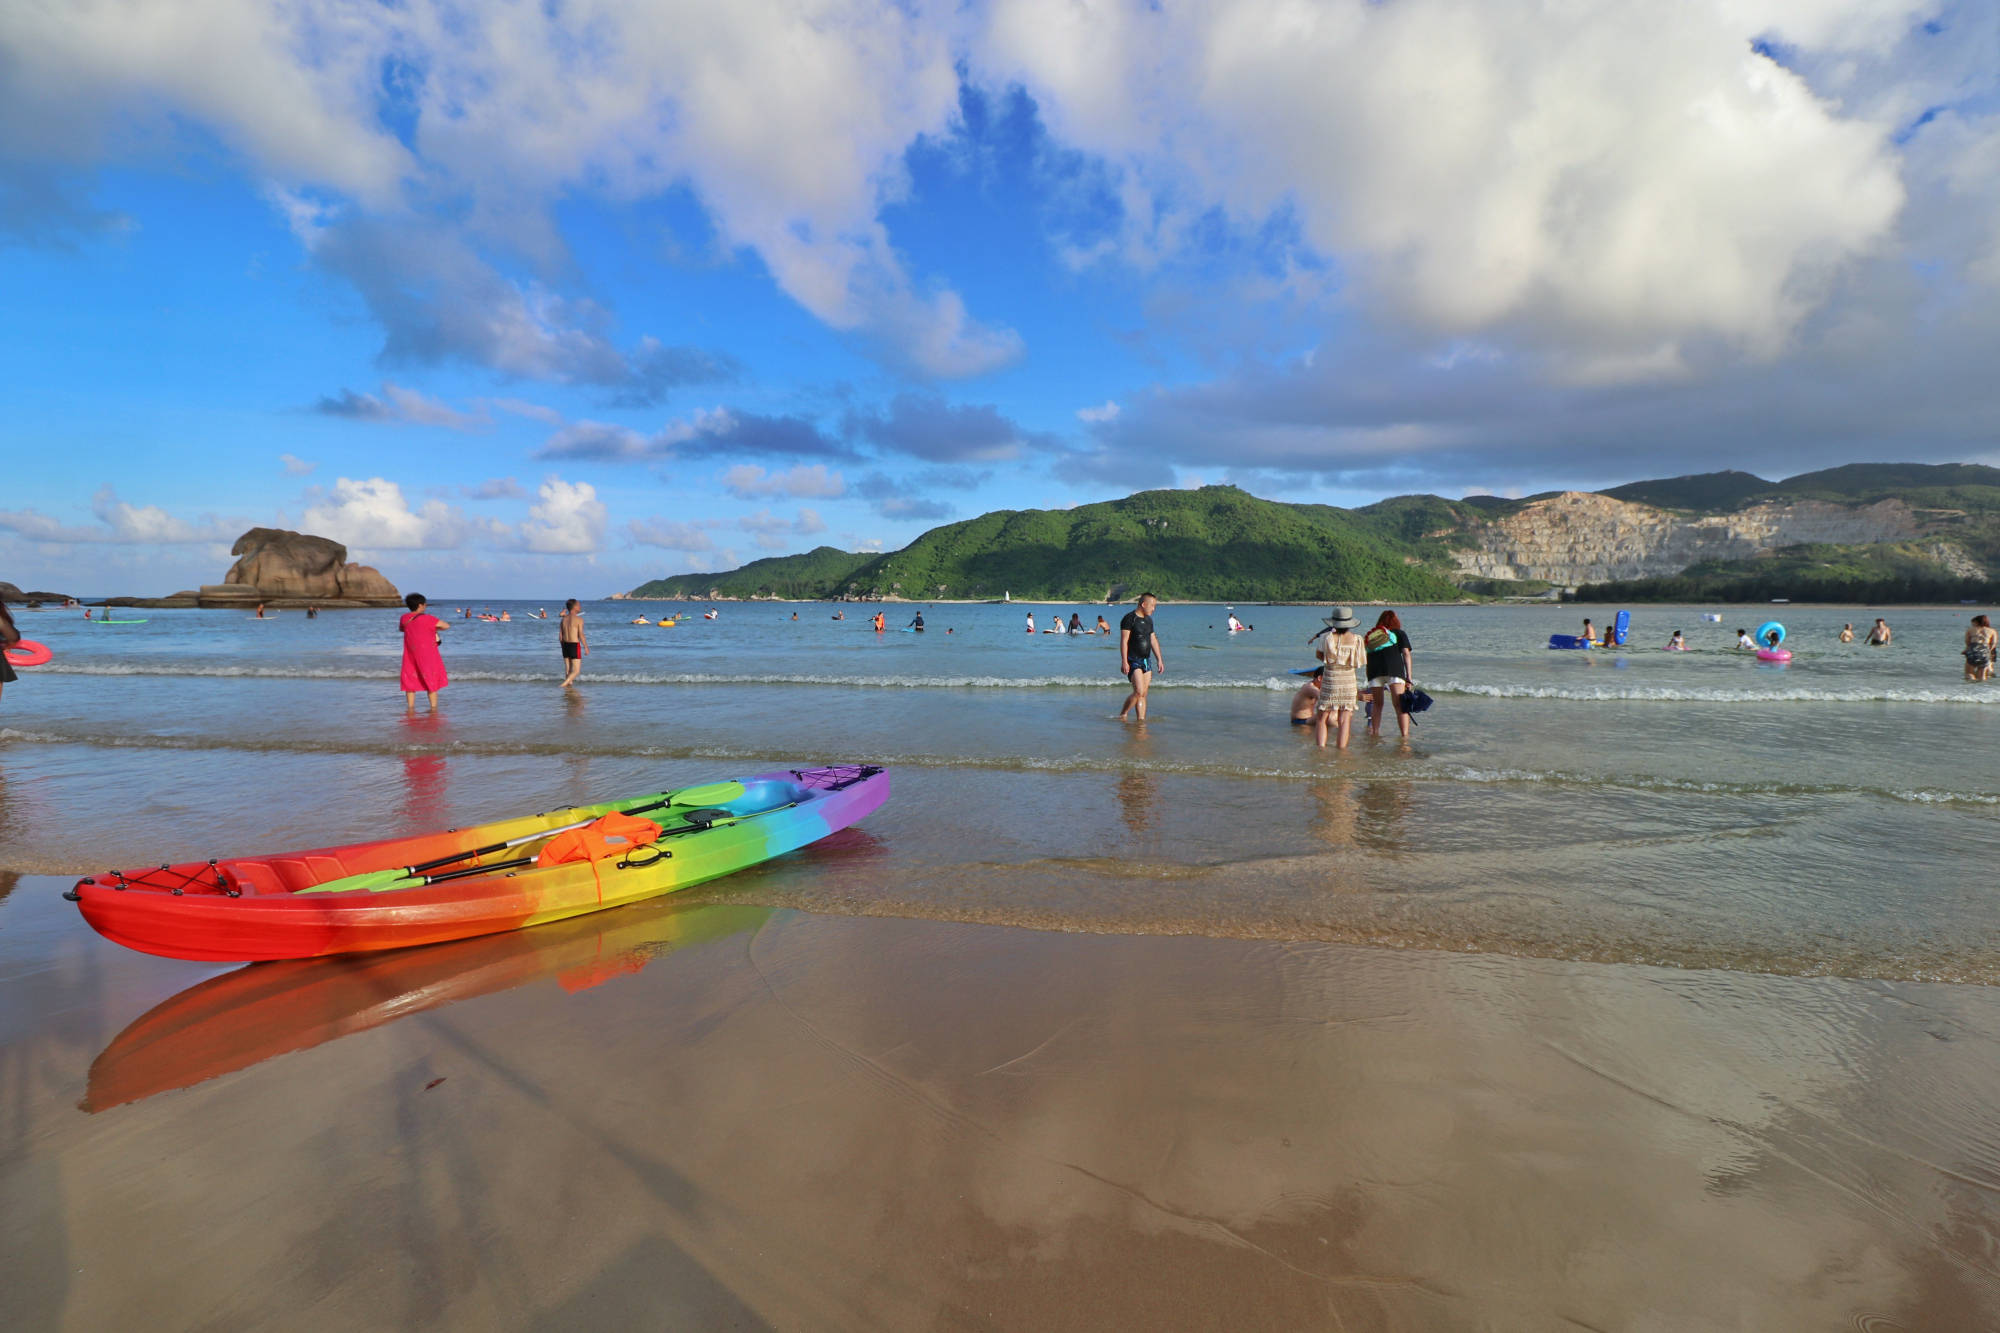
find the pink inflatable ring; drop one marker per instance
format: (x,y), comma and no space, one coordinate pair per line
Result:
(28,653)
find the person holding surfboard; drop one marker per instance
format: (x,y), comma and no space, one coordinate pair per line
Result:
(1139,656)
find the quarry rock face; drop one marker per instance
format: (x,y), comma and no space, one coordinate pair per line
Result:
(275,564)
(1577,537)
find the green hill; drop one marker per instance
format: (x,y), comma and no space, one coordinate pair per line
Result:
(1220,543)
(1702,491)
(790,576)
(1217,543)
(1878,573)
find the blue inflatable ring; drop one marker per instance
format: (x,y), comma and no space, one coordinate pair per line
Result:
(1765,629)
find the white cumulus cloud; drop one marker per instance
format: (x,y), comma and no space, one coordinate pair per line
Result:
(1608,182)
(373,513)
(120,523)
(567,518)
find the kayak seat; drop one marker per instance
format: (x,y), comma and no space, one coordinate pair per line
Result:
(293,873)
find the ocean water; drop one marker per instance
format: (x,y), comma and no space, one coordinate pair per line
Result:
(1834,816)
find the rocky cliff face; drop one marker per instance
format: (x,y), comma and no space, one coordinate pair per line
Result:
(1577,537)
(276,564)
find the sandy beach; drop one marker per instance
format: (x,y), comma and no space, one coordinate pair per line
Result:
(727,1117)
(1595,1005)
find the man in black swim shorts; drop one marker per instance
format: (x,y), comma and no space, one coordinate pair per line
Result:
(574,643)
(1139,656)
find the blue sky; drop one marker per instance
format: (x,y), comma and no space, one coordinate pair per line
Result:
(551,299)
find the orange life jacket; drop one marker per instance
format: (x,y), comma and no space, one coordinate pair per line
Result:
(604,837)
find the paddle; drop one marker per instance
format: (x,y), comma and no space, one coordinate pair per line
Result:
(377,880)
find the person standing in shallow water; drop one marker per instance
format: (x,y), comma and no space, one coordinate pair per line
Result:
(1341,652)
(423,664)
(10,635)
(569,633)
(1139,656)
(1389,672)
(1982,643)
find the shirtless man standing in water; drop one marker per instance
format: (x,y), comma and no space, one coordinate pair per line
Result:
(1139,657)
(574,643)
(1880,634)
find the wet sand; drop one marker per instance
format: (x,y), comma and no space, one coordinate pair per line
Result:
(714,1115)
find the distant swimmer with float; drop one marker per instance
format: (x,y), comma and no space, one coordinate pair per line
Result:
(1770,635)
(1676,644)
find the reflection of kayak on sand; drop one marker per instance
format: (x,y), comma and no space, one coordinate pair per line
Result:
(244,1017)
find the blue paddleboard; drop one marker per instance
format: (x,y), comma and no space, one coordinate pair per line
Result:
(1621,628)
(1568,641)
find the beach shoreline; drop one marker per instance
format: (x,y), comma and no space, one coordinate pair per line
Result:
(862,1123)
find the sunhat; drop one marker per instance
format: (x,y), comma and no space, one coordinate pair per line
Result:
(1342,618)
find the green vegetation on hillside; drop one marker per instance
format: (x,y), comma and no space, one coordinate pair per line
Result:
(1704,490)
(790,576)
(1217,543)
(1221,543)
(1885,572)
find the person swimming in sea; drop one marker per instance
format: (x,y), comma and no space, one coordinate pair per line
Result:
(1589,631)
(1076,624)
(1677,644)
(918,623)
(881,622)
(1103,625)
(1304,701)
(1880,634)
(1743,639)
(1773,639)
(1847,632)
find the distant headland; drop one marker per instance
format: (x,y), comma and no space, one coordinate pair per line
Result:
(1868,532)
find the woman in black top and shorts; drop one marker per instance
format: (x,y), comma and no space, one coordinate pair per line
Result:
(1388,671)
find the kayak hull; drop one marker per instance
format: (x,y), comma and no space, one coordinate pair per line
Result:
(253,909)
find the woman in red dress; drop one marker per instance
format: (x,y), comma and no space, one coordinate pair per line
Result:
(423,664)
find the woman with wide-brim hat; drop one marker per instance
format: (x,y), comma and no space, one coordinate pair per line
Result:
(1342,653)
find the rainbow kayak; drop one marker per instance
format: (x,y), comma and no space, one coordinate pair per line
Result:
(472,881)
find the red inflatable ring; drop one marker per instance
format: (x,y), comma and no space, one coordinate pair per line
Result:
(28,653)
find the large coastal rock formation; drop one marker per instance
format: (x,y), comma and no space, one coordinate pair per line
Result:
(281,568)
(10,593)
(285,564)
(1578,537)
